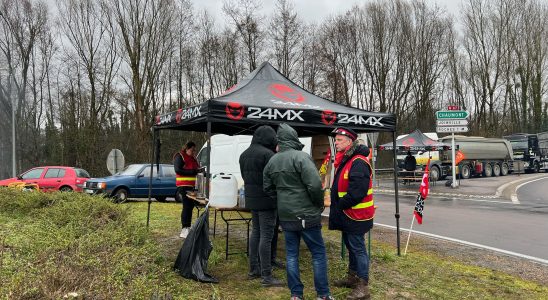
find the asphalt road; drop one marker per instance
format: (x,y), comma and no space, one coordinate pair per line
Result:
(497,223)
(534,196)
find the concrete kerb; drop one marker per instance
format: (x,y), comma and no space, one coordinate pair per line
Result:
(509,189)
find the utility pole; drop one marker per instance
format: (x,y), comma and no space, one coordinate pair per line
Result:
(13,102)
(13,156)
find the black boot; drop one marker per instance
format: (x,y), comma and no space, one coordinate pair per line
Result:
(361,292)
(351,280)
(271,281)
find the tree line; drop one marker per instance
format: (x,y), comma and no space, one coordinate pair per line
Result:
(84,76)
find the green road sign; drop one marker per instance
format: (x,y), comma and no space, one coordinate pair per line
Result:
(453,114)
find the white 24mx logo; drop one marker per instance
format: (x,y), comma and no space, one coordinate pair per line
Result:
(274,114)
(357,119)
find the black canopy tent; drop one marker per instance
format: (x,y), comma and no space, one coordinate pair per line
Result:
(265,96)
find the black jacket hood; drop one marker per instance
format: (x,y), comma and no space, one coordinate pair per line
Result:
(265,136)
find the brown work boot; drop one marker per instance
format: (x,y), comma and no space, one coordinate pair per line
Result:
(361,292)
(351,280)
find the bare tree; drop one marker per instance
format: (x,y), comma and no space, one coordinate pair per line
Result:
(386,37)
(146,37)
(286,31)
(432,47)
(484,39)
(90,45)
(529,48)
(243,13)
(25,21)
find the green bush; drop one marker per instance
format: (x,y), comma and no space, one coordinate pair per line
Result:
(56,243)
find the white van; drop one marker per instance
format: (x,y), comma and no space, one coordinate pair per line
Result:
(226,151)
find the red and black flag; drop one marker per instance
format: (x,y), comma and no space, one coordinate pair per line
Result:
(423,193)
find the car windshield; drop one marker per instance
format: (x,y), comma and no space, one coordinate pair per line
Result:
(131,170)
(81,173)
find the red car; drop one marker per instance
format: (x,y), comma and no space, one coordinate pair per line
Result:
(53,178)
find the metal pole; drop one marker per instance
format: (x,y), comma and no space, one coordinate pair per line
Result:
(397,215)
(13,155)
(151,173)
(373,158)
(409,236)
(453,167)
(208,173)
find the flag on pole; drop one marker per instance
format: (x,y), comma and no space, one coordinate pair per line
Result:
(423,193)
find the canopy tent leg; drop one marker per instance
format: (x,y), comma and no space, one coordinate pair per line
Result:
(397,215)
(208,172)
(152,148)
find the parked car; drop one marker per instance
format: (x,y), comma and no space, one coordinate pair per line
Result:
(53,178)
(133,182)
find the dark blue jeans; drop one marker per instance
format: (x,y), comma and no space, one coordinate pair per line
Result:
(358,260)
(261,240)
(314,241)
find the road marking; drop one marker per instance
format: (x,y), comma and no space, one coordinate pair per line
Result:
(514,196)
(535,259)
(431,194)
(480,200)
(452,197)
(500,189)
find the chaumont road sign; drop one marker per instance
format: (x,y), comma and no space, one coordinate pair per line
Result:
(453,114)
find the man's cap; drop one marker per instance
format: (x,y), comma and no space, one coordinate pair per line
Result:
(346,132)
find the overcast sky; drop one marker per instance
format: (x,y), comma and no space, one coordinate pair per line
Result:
(313,10)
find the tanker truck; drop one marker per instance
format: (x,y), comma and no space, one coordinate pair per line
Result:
(532,149)
(479,156)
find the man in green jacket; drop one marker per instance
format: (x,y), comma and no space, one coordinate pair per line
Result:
(292,178)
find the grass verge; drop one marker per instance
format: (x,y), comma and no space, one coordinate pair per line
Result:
(59,243)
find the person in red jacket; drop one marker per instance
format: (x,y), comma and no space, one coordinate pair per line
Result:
(186,168)
(352,208)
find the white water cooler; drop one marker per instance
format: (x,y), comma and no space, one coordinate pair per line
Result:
(224,191)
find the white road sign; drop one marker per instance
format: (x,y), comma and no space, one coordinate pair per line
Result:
(449,129)
(452,122)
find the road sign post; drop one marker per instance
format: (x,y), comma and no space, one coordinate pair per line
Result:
(452,121)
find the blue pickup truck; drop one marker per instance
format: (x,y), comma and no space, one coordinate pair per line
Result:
(133,182)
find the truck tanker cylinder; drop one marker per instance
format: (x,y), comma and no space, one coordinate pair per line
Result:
(480,148)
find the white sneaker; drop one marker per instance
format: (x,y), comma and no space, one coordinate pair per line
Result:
(184,233)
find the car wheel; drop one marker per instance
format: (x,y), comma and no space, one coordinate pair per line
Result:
(121,195)
(496,169)
(160,199)
(536,167)
(434,174)
(65,189)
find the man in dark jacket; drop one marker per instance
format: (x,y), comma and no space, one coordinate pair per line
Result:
(292,176)
(410,162)
(352,208)
(263,207)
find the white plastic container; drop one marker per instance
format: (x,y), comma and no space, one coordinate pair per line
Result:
(224,191)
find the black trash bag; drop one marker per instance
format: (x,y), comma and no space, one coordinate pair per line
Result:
(191,262)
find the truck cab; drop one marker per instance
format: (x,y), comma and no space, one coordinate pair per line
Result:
(526,148)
